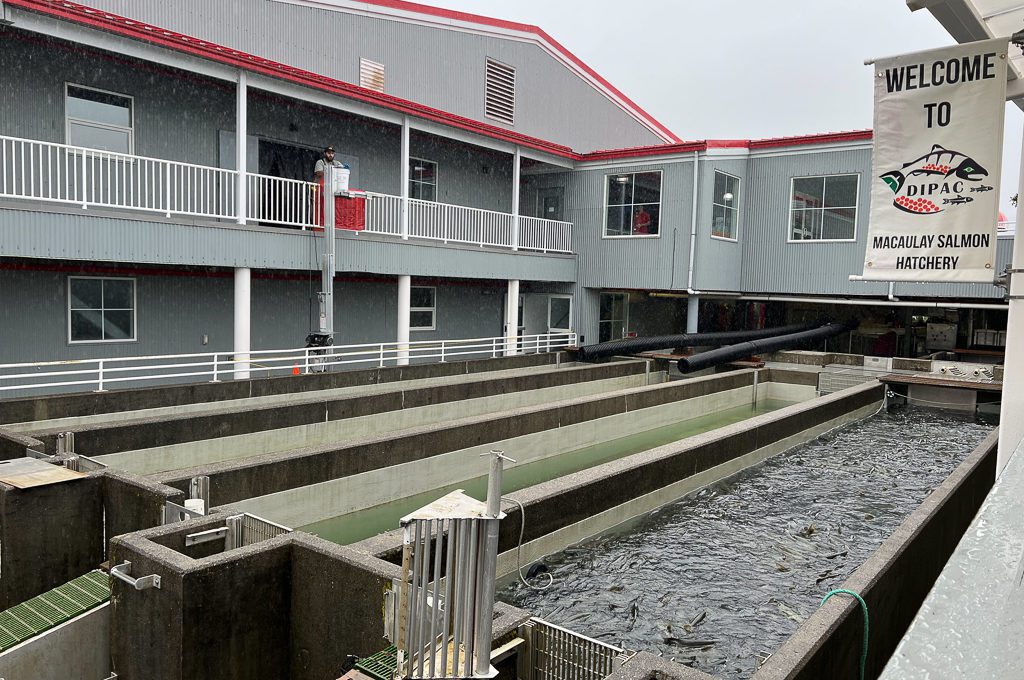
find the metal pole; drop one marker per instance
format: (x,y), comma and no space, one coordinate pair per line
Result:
(241,133)
(516,172)
(242,310)
(512,318)
(1011,428)
(404,219)
(488,562)
(404,304)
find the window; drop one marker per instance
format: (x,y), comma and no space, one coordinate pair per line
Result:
(725,206)
(613,317)
(98,120)
(422,179)
(101,309)
(633,204)
(500,92)
(824,208)
(422,308)
(559,313)
(371,75)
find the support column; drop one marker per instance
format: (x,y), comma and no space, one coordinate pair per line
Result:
(516,172)
(242,322)
(1011,425)
(692,307)
(404,303)
(512,318)
(241,133)
(404,227)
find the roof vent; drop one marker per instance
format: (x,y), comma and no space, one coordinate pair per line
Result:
(500,99)
(371,75)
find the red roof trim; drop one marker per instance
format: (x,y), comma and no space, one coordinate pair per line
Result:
(158,36)
(752,144)
(823,138)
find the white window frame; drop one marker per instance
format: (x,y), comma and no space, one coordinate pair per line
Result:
(437,171)
(432,310)
(135,310)
(605,206)
(789,216)
(68,120)
(739,188)
(552,329)
(625,314)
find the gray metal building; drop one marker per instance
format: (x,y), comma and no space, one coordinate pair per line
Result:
(122,124)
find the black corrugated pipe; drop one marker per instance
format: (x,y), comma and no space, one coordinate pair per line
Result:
(743,350)
(634,345)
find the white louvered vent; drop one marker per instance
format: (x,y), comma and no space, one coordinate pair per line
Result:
(371,75)
(500,99)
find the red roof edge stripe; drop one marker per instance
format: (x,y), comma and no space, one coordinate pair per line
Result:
(823,138)
(203,48)
(406,6)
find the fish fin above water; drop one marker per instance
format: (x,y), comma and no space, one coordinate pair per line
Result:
(938,147)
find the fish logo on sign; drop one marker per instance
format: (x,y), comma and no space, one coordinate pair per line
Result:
(936,178)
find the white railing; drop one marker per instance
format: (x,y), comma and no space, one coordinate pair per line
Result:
(457,224)
(102,374)
(89,177)
(275,200)
(383,214)
(548,236)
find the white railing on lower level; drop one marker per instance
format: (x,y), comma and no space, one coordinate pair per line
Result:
(50,172)
(121,372)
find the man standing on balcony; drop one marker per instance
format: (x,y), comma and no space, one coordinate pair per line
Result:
(328,159)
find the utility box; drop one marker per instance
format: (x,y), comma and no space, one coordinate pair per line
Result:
(941,336)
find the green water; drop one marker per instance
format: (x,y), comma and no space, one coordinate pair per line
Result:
(356,526)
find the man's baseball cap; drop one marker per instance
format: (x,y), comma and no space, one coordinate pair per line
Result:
(330,148)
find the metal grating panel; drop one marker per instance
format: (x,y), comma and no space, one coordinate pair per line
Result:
(557,653)
(256,529)
(52,608)
(381,665)
(371,75)
(500,98)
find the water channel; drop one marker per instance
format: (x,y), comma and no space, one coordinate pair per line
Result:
(722,577)
(356,526)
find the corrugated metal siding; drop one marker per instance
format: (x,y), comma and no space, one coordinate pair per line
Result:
(437,67)
(644,263)
(772,265)
(65,236)
(174,312)
(718,263)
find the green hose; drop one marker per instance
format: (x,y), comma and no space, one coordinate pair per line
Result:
(864,607)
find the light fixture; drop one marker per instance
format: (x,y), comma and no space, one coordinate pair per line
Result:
(622,179)
(727,195)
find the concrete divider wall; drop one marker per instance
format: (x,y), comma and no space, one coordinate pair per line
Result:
(559,503)
(132,503)
(101,439)
(92,403)
(48,535)
(893,582)
(14,445)
(237,480)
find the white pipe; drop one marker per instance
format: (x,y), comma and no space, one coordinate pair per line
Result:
(512,318)
(693,224)
(692,313)
(404,304)
(892,288)
(242,308)
(404,219)
(875,303)
(1011,425)
(516,172)
(241,133)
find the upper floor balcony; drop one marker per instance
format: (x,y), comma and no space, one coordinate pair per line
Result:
(76,176)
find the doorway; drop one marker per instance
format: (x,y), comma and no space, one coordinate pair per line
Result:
(549,203)
(614,317)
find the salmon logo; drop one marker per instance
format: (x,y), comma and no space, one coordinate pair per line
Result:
(935,179)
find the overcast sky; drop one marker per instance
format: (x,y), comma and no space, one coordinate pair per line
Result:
(739,69)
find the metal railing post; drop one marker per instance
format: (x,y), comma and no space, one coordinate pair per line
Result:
(382,355)
(442,351)
(216,367)
(99,387)
(85,196)
(167,188)
(306,366)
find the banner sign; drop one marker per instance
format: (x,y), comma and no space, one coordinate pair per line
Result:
(938,142)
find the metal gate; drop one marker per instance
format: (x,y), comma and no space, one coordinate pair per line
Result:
(556,653)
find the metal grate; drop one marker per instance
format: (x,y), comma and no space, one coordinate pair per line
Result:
(556,653)
(371,75)
(256,529)
(52,608)
(381,665)
(836,381)
(500,97)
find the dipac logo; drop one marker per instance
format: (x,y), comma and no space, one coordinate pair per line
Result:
(935,179)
